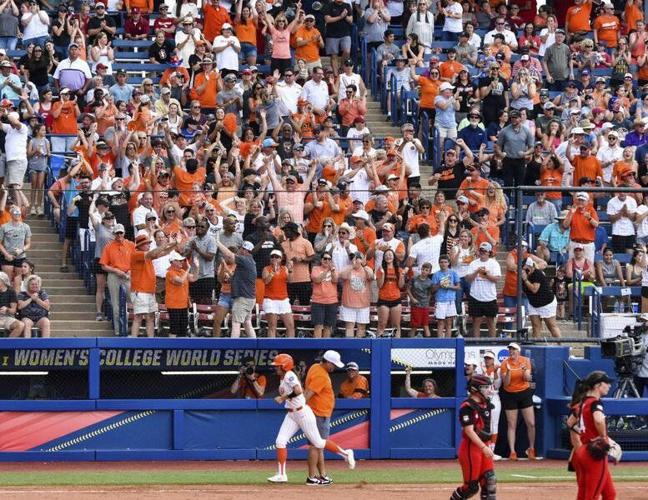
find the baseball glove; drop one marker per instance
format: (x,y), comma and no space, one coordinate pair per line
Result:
(598,448)
(615,451)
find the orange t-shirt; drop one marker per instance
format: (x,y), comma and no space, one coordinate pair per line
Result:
(480,237)
(208,96)
(581,229)
(586,167)
(369,236)
(578,17)
(389,290)
(141,119)
(66,123)
(429,91)
(359,295)
(214,20)
(142,273)
(184,182)
(470,187)
(357,388)
(607,29)
(319,382)
(144,5)
(118,255)
(226,285)
(551,177)
(317,215)
(176,296)
(448,69)
(517,384)
(417,220)
(618,167)
(302,249)
(107,120)
(510,278)
(246,32)
(632,14)
(277,289)
(168,72)
(311,51)
(324,292)
(95,160)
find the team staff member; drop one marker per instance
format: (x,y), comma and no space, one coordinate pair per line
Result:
(299,416)
(321,398)
(492,371)
(475,456)
(176,286)
(591,442)
(429,387)
(249,384)
(143,281)
(517,395)
(355,386)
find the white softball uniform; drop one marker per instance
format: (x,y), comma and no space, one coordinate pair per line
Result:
(299,416)
(495,399)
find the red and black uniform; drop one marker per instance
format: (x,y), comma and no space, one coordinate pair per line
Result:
(476,467)
(593,476)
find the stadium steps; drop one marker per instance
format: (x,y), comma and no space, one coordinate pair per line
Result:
(73,310)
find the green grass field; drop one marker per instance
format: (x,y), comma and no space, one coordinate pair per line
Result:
(242,477)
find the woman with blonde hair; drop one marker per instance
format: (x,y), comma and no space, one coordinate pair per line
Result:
(496,204)
(102,53)
(171,219)
(461,256)
(34,307)
(523,91)
(285,216)
(325,236)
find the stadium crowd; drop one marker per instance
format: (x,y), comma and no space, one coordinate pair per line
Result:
(241,171)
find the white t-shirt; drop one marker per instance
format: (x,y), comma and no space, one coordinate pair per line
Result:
(642,228)
(340,255)
(289,94)
(287,386)
(451,24)
(623,226)
(394,243)
(551,39)
(316,93)
(36,26)
(162,265)
(426,250)
(228,58)
(410,157)
(345,81)
(607,154)
(15,142)
(482,289)
(190,47)
(359,186)
(354,133)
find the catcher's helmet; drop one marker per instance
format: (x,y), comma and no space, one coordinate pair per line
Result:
(477,382)
(285,361)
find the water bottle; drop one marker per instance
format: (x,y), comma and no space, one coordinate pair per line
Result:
(617,307)
(621,306)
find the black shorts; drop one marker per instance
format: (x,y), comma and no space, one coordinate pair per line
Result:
(96,268)
(516,400)
(620,244)
(644,292)
(479,309)
(389,303)
(71,228)
(202,290)
(324,314)
(14,263)
(300,291)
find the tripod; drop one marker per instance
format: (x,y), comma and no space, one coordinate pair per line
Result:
(626,388)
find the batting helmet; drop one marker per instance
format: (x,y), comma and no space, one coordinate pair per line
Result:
(285,361)
(477,382)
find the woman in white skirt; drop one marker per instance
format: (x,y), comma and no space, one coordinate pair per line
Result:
(542,301)
(299,416)
(490,368)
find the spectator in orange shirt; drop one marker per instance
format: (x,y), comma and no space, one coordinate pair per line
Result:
(206,84)
(355,386)
(607,27)
(245,24)
(308,42)
(585,164)
(144,6)
(351,107)
(390,280)
(215,16)
(177,281)
(577,20)
(450,68)
(184,180)
(321,398)
(249,384)
(142,286)
(300,252)
(474,187)
(582,220)
(115,261)
(275,298)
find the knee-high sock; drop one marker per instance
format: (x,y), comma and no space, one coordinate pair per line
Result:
(334,447)
(282,457)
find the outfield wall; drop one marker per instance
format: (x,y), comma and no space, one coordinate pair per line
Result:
(170,399)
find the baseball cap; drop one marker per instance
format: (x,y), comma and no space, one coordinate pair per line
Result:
(226,26)
(142,238)
(582,195)
(268,142)
(514,345)
(600,79)
(5,64)
(462,199)
(529,262)
(276,252)
(486,246)
(165,90)
(361,214)
(525,57)
(549,105)
(601,377)
(119,228)
(6,103)
(352,365)
(562,215)
(489,354)
(145,99)
(446,86)
(333,357)
(247,245)
(175,256)
(309,16)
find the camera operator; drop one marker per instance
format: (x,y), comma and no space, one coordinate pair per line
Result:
(249,384)
(641,375)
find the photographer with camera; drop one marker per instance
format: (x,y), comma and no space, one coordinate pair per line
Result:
(249,384)
(641,371)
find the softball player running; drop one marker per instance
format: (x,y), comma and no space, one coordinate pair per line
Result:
(299,416)
(475,456)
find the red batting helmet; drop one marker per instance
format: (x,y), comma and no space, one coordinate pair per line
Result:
(285,361)
(477,382)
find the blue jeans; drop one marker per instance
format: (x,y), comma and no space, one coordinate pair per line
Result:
(39,41)
(8,42)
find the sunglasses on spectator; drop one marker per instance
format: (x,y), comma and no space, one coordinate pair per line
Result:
(343,232)
(190,227)
(172,211)
(473,116)
(328,225)
(275,257)
(326,258)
